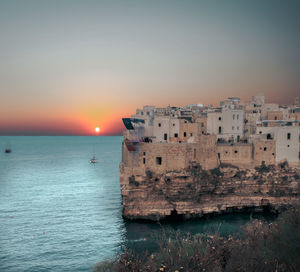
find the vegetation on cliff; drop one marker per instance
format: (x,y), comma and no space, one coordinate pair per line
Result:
(194,191)
(260,246)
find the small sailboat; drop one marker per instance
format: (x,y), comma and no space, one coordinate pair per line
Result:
(93,159)
(7,149)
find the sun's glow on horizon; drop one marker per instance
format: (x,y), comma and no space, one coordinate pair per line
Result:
(97,129)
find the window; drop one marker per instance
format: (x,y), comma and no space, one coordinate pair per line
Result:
(265,149)
(148,112)
(144,161)
(144,153)
(191,134)
(159,124)
(194,154)
(184,134)
(237,127)
(166,136)
(220,118)
(233,117)
(185,121)
(202,124)
(219,155)
(275,118)
(235,151)
(237,117)
(220,130)
(269,137)
(232,127)
(289,136)
(173,125)
(260,132)
(158,160)
(176,135)
(142,113)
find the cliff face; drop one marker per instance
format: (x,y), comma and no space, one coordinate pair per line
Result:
(194,192)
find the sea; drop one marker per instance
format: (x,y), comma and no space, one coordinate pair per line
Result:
(58,212)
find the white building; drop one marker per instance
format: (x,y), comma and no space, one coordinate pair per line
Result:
(226,123)
(145,128)
(165,127)
(286,142)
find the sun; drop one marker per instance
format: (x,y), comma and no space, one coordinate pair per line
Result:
(97,129)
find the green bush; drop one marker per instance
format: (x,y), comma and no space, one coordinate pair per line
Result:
(260,182)
(149,174)
(228,165)
(284,165)
(131,179)
(263,168)
(217,172)
(284,178)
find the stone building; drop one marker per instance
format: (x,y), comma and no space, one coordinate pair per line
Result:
(286,141)
(245,134)
(226,123)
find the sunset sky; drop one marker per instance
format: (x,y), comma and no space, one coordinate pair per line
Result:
(67,67)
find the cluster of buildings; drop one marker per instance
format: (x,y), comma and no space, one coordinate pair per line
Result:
(245,134)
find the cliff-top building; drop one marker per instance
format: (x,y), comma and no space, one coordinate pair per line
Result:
(171,158)
(240,133)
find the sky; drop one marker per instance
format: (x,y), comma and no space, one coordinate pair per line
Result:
(67,67)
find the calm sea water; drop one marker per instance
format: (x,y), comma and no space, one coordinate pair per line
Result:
(59,213)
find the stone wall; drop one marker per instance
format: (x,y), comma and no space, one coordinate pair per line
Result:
(188,131)
(194,192)
(162,157)
(275,115)
(264,151)
(237,154)
(202,121)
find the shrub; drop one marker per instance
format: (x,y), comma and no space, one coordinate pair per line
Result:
(239,174)
(194,172)
(260,182)
(263,168)
(217,172)
(149,174)
(284,165)
(271,193)
(228,165)
(195,169)
(131,179)
(279,192)
(285,178)
(261,247)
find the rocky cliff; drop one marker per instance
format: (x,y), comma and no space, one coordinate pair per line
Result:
(194,192)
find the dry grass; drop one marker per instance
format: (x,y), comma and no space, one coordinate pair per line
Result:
(261,247)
